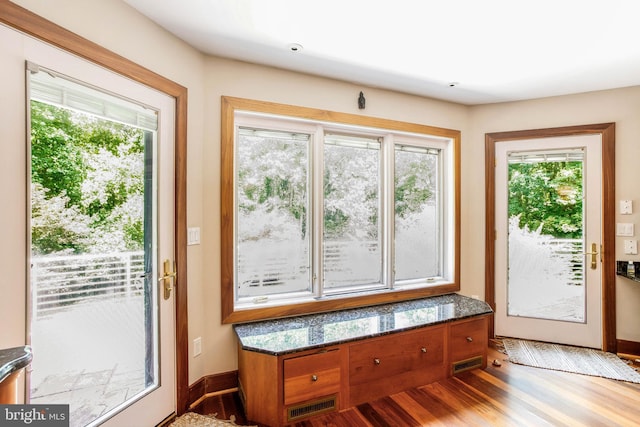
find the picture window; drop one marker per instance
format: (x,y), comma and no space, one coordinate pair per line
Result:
(319,214)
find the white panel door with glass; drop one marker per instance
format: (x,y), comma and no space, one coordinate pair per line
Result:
(548,240)
(101,221)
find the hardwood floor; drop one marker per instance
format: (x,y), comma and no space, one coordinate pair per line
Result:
(508,395)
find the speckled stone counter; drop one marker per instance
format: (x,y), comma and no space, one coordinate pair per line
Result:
(288,335)
(628,269)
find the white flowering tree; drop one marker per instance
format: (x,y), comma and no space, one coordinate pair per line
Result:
(87,183)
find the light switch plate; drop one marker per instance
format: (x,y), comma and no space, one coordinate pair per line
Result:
(631,247)
(197,346)
(624,229)
(193,236)
(626,207)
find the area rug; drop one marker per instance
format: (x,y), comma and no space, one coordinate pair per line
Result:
(191,419)
(578,360)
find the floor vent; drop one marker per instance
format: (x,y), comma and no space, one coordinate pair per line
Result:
(312,408)
(468,364)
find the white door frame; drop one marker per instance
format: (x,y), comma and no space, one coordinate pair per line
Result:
(27,22)
(607,132)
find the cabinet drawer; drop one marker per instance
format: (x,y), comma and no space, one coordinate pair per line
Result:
(312,376)
(394,354)
(468,339)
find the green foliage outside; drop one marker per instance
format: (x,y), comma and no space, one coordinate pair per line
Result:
(86,182)
(415,182)
(547,195)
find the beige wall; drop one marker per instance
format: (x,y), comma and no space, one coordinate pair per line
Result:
(114,25)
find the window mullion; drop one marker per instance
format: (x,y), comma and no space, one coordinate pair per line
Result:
(317,167)
(447,204)
(388,211)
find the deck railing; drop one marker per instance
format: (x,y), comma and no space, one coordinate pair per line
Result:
(277,270)
(571,251)
(59,281)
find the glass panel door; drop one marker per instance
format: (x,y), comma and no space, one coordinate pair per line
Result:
(101,191)
(92,249)
(546,239)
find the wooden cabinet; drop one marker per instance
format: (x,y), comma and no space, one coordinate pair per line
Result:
(312,376)
(260,386)
(468,341)
(278,390)
(386,365)
(283,389)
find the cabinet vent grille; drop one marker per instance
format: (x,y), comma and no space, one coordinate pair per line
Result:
(465,365)
(312,408)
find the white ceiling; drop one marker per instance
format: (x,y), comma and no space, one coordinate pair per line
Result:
(490,50)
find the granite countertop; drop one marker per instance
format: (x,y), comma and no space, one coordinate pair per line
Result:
(623,268)
(14,359)
(288,335)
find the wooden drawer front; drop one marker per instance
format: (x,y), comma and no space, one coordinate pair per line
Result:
(311,377)
(369,391)
(468,339)
(394,354)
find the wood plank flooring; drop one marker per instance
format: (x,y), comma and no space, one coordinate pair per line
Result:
(509,395)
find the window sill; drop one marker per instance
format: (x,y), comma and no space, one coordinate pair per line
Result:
(334,303)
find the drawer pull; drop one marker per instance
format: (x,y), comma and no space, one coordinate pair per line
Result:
(376,361)
(423,349)
(314,378)
(469,339)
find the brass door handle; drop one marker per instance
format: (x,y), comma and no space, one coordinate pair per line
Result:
(594,254)
(167,276)
(376,361)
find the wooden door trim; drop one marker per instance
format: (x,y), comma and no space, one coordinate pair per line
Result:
(607,131)
(29,23)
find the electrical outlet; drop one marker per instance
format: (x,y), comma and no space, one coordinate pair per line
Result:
(626,207)
(631,247)
(197,346)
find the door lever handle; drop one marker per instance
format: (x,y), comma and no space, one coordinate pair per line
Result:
(167,277)
(593,254)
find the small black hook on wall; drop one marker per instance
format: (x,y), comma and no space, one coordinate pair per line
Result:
(361,101)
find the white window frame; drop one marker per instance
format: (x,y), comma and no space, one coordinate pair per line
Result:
(255,114)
